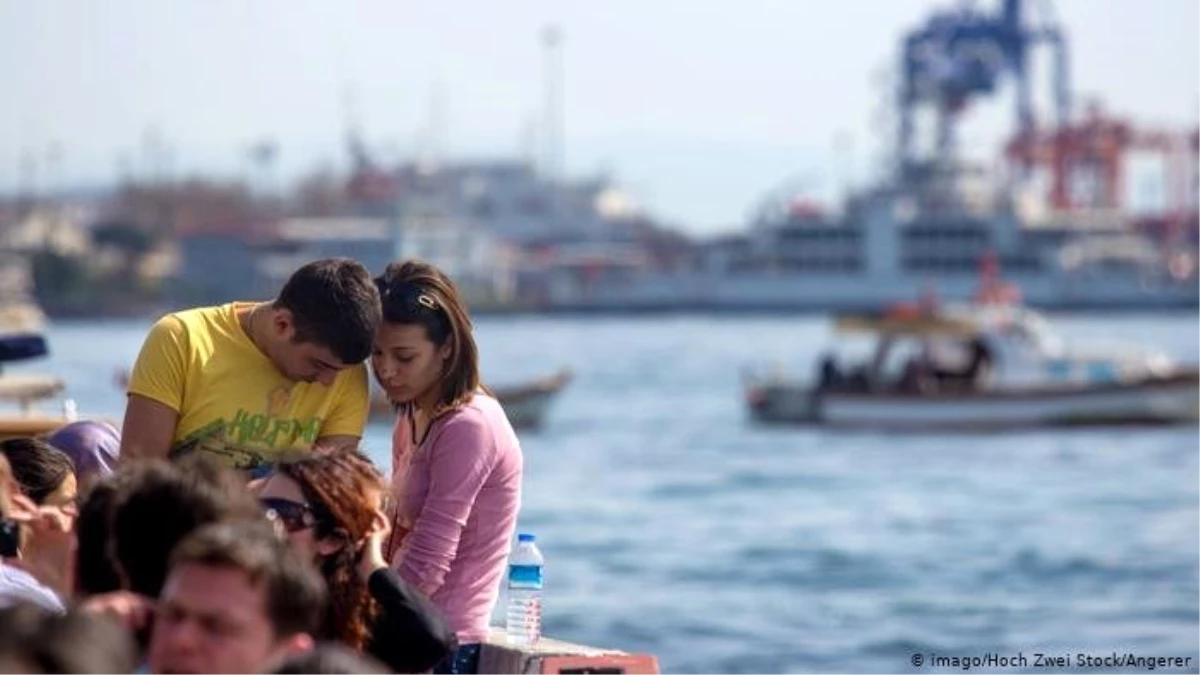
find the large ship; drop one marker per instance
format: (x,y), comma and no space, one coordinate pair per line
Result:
(935,218)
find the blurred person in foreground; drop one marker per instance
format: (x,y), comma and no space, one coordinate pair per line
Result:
(36,640)
(157,504)
(249,382)
(93,447)
(95,569)
(37,537)
(330,505)
(456,462)
(236,600)
(134,521)
(331,658)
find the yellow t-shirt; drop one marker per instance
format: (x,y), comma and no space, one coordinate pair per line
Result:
(232,401)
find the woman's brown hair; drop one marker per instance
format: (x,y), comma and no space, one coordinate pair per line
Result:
(414,292)
(40,468)
(338,485)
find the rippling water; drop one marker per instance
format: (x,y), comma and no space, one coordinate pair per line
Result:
(672,525)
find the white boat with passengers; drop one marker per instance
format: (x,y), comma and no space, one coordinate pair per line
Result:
(979,366)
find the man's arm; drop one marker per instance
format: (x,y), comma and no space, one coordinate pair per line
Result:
(155,398)
(148,429)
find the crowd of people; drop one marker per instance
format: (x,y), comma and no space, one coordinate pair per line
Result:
(233,524)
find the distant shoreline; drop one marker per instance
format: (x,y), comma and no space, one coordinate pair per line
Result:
(1116,309)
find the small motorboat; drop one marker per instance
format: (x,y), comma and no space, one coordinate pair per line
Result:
(978,366)
(526,404)
(22,338)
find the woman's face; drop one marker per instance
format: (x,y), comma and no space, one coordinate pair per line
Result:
(65,494)
(63,498)
(283,495)
(408,365)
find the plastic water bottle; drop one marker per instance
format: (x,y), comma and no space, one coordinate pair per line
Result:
(523,620)
(70,410)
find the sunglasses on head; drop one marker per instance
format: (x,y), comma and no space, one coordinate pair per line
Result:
(294,516)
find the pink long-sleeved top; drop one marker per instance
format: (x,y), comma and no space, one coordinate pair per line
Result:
(457,498)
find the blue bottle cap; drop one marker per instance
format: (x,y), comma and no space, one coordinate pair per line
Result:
(526,537)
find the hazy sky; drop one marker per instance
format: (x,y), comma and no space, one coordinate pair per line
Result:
(696,107)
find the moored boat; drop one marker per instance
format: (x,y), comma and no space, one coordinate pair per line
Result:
(22,338)
(526,404)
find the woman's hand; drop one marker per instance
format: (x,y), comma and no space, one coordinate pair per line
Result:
(48,552)
(133,611)
(370,555)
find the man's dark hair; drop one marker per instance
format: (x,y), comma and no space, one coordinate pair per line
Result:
(330,658)
(295,590)
(334,304)
(95,571)
(34,639)
(40,468)
(159,503)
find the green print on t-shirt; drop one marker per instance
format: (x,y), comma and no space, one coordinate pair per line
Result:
(258,429)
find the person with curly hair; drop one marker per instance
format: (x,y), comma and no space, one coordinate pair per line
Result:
(330,504)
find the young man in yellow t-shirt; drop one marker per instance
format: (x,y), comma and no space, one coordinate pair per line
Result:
(249,382)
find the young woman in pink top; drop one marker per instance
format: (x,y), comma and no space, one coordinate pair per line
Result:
(456,463)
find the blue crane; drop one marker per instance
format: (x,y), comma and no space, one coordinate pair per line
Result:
(961,54)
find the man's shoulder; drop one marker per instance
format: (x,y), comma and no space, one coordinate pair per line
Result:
(351,380)
(196,317)
(198,325)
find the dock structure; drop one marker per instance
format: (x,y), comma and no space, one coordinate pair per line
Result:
(556,656)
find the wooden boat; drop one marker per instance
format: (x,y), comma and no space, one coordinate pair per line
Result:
(525,404)
(1012,372)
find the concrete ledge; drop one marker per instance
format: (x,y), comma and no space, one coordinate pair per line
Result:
(556,656)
